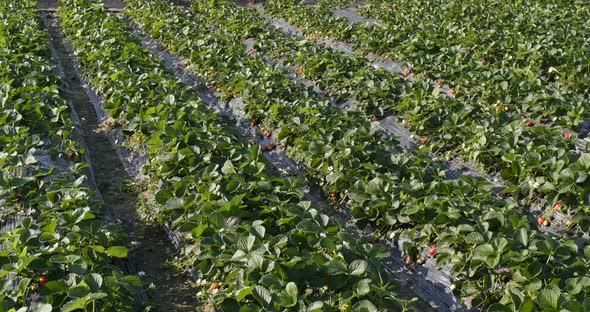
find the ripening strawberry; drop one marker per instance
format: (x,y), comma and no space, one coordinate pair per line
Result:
(439,83)
(284,146)
(333,195)
(567,136)
(423,141)
(452,91)
(540,220)
(322,42)
(557,207)
(405,122)
(483,59)
(42,280)
(432,251)
(568,223)
(375,116)
(498,108)
(409,260)
(331,94)
(267,134)
(405,75)
(213,286)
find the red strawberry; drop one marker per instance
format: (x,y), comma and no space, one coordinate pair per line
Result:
(72,155)
(375,116)
(432,251)
(423,141)
(452,91)
(271,146)
(540,220)
(333,195)
(541,121)
(412,70)
(252,124)
(557,206)
(567,136)
(213,286)
(439,83)
(405,75)
(530,123)
(42,280)
(267,134)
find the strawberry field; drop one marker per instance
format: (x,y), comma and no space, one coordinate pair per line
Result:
(412,155)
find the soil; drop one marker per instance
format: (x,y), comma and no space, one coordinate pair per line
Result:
(153,251)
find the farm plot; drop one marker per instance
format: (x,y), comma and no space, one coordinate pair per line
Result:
(208,151)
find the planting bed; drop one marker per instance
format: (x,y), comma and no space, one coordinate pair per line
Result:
(294,156)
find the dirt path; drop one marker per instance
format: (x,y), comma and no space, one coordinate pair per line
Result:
(152,252)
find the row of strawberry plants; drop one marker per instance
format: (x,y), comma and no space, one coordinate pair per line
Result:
(536,160)
(427,114)
(252,239)
(487,242)
(511,71)
(60,254)
(552,50)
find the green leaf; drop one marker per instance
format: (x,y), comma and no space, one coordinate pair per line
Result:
(504,85)
(292,291)
(317,306)
(549,298)
(118,251)
(358,267)
(527,306)
(78,304)
(246,243)
(485,250)
(94,281)
(258,230)
(262,295)
(53,287)
(365,306)
(78,291)
(43,307)
(363,287)
(308,226)
(584,160)
(242,293)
